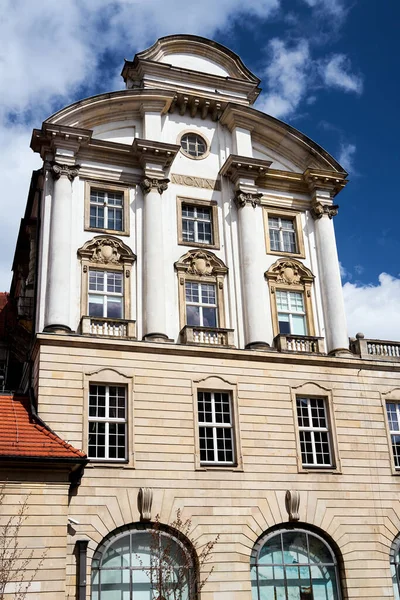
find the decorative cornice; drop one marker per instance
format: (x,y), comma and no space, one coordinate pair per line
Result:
(201,263)
(244,166)
(324,180)
(148,184)
(159,153)
(69,171)
(244,198)
(319,210)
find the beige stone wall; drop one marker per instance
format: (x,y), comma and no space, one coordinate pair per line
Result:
(42,536)
(357,506)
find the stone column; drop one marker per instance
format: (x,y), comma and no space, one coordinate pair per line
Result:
(57,311)
(337,340)
(154,301)
(257,321)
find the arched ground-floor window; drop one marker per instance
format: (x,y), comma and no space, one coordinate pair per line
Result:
(395,567)
(294,564)
(142,563)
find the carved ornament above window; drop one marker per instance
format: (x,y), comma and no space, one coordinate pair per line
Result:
(106,250)
(200,263)
(289,272)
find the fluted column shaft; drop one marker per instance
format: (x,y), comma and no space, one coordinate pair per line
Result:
(154,300)
(57,313)
(336,336)
(257,319)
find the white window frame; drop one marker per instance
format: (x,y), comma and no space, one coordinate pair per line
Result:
(291,311)
(280,233)
(196,220)
(214,426)
(107,188)
(200,304)
(392,432)
(312,430)
(106,207)
(105,294)
(107,420)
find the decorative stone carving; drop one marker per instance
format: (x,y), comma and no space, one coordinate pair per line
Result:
(201,263)
(69,171)
(197,182)
(292,504)
(145,502)
(148,184)
(106,250)
(318,210)
(289,272)
(243,198)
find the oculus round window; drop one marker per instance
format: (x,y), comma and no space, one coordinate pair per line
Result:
(193,145)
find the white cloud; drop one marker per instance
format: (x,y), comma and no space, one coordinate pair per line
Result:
(287,77)
(52,56)
(336,72)
(346,157)
(332,7)
(374,309)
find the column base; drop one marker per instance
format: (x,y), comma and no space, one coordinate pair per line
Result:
(263,346)
(157,337)
(57,329)
(345,352)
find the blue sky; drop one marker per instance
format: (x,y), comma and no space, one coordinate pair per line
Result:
(328,67)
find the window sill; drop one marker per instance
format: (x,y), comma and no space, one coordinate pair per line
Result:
(106,464)
(199,245)
(284,254)
(319,470)
(230,468)
(109,231)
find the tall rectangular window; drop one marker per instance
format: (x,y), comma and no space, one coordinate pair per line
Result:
(106,294)
(201,304)
(393,415)
(197,224)
(291,312)
(282,234)
(314,435)
(107,422)
(106,210)
(215,428)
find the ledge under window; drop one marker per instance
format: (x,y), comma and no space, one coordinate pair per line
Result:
(207,336)
(105,327)
(299,343)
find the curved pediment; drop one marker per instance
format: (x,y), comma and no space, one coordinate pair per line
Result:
(199,54)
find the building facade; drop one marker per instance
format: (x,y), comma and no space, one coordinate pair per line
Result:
(180,321)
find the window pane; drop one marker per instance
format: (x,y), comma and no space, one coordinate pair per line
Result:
(96,281)
(396,450)
(298,325)
(118,554)
(193,316)
(114,308)
(97,217)
(282,300)
(392,417)
(208,294)
(188,230)
(114,282)
(289,241)
(209,317)
(284,325)
(96,306)
(192,291)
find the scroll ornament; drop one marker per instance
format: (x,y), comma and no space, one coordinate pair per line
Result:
(145,501)
(292,503)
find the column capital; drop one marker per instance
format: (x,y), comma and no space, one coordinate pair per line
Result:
(152,183)
(319,210)
(243,198)
(70,171)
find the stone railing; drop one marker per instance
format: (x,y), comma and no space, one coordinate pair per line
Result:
(117,328)
(375,349)
(207,336)
(299,343)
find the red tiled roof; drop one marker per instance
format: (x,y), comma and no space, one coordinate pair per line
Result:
(22,434)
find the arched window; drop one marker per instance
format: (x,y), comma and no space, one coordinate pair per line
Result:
(141,564)
(294,564)
(395,567)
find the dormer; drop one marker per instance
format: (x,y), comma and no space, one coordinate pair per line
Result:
(204,74)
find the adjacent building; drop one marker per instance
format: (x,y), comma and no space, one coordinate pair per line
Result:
(181,345)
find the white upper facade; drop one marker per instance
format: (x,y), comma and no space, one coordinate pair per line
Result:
(174,212)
